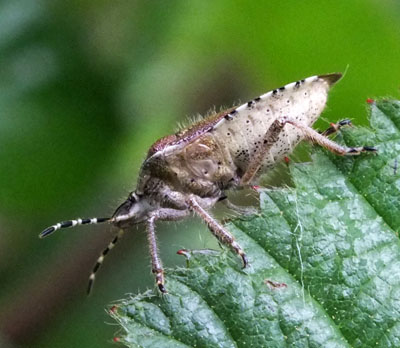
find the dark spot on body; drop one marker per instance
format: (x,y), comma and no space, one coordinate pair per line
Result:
(281,88)
(257,99)
(228,117)
(297,84)
(275,91)
(250,103)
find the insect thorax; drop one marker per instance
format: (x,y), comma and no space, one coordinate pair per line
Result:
(203,168)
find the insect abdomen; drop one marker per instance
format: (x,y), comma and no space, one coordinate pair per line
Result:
(243,130)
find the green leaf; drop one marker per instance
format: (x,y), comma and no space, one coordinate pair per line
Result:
(324,255)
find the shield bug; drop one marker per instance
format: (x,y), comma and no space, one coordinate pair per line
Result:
(190,171)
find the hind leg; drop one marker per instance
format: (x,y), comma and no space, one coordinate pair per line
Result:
(335,127)
(269,139)
(317,138)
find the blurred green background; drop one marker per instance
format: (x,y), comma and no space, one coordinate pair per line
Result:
(87,86)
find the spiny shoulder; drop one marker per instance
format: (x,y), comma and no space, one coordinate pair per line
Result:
(213,121)
(186,135)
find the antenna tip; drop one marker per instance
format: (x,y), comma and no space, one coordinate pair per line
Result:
(90,284)
(46,232)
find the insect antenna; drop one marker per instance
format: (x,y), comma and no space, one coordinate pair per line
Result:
(101,259)
(72,223)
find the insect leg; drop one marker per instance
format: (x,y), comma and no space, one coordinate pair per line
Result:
(217,230)
(313,136)
(270,138)
(156,265)
(101,259)
(335,127)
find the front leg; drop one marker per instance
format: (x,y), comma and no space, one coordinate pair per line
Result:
(156,264)
(217,230)
(165,214)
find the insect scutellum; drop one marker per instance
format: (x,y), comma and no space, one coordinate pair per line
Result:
(190,171)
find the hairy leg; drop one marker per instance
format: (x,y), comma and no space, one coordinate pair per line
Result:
(272,135)
(156,263)
(313,136)
(270,138)
(217,230)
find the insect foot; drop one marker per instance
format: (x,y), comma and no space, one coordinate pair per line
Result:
(335,127)
(159,274)
(359,150)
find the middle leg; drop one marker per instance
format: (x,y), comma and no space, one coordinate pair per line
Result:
(217,230)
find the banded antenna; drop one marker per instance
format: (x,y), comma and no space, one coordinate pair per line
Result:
(77,222)
(100,260)
(72,223)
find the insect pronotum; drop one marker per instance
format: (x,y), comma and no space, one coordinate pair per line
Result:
(190,171)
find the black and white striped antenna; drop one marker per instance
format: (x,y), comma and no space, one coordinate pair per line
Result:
(77,222)
(72,223)
(100,260)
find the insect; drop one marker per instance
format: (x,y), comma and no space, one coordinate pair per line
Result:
(190,171)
